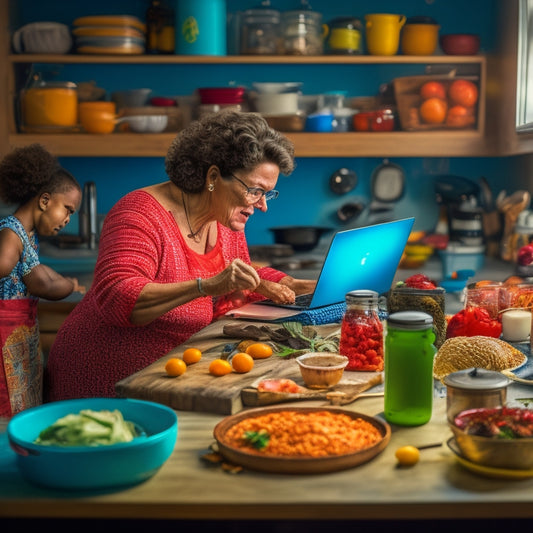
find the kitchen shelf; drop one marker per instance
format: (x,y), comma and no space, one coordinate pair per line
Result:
(464,143)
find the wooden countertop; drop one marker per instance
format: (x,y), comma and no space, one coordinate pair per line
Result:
(187,489)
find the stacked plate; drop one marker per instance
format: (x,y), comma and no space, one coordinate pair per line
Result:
(115,34)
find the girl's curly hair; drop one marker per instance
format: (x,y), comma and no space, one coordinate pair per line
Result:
(29,171)
(232,141)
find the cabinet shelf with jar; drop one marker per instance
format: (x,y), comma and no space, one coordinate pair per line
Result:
(397,143)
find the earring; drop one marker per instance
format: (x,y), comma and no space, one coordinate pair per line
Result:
(210,187)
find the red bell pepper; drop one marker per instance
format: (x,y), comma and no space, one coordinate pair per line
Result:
(473,321)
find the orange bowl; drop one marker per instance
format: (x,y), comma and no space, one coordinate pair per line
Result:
(97,117)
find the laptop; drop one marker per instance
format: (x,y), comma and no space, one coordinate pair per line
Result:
(358,258)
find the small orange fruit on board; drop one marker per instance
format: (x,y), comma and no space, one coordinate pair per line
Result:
(219,367)
(192,355)
(433,110)
(175,367)
(242,362)
(259,350)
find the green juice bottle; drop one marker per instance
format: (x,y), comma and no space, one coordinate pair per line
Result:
(409,354)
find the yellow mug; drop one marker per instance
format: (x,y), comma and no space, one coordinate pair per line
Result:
(383,33)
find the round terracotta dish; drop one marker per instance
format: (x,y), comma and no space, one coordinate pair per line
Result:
(298,465)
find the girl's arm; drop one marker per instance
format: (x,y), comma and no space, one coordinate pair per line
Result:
(44,282)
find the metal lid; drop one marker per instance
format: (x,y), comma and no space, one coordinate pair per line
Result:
(410,320)
(362,296)
(476,379)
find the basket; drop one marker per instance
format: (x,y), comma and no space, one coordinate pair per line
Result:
(408,100)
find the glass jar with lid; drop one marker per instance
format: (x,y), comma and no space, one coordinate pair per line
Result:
(302,33)
(361,337)
(260,31)
(345,36)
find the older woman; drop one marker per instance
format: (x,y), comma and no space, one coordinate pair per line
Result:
(173,256)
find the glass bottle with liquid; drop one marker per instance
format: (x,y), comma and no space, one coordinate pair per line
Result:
(409,355)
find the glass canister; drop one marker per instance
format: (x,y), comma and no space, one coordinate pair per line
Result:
(361,337)
(345,36)
(260,31)
(302,33)
(409,354)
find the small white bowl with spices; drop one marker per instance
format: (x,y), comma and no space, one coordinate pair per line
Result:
(321,370)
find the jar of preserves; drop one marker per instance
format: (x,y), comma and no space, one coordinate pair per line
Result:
(361,337)
(409,354)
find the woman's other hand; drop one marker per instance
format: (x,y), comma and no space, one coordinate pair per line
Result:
(280,294)
(299,286)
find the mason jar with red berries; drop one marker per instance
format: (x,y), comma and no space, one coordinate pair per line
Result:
(361,339)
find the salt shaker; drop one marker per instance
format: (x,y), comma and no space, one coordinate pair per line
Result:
(409,354)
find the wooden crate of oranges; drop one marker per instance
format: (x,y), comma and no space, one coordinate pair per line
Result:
(437,102)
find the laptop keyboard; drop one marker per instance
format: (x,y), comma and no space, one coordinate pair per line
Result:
(303,300)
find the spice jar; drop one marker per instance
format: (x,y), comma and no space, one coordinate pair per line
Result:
(361,337)
(409,354)
(345,36)
(302,33)
(160,35)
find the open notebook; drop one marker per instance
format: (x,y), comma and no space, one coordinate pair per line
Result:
(359,258)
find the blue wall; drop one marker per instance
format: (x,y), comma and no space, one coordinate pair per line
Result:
(305,196)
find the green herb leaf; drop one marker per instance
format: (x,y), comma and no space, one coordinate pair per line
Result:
(257,439)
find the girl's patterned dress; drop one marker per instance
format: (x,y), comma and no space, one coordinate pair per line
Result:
(21,369)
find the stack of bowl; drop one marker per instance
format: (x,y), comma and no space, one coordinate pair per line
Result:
(116,34)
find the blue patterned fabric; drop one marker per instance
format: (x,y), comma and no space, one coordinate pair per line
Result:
(12,287)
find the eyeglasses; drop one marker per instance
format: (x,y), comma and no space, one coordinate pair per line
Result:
(254,194)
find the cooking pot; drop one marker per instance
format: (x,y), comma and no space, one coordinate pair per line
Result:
(49,105)
(420,36)
(301,238)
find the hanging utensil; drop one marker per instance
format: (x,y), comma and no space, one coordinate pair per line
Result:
(350,211)
(343,181)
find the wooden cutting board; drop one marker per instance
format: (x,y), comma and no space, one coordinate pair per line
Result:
(199,391)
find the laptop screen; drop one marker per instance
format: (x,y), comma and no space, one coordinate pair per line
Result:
(361,258)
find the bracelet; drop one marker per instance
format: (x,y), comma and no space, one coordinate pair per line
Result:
(200,289)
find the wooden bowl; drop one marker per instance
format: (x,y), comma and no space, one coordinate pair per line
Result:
(298,465)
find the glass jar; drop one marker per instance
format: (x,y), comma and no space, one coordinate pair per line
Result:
(361,337)
(430,301)
(409,354)
(302,33)
(345,36)
(160,36)
(260,31)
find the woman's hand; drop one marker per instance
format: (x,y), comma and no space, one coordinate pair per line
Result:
(237,276)
(77,287)
(299,286)
(278,293)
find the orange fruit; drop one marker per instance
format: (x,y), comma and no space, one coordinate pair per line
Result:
(460,116)
(219,367)
(175,367)
(432,89)
(259,350)
(433,110)
(192,355)
(242,362)
(463,92)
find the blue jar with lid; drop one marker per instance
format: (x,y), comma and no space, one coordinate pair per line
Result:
(409,355)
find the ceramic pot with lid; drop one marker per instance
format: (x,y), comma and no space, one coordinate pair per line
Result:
(420,36)
(48,106)
(474,388)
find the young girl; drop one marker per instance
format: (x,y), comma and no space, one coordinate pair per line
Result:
(45,196)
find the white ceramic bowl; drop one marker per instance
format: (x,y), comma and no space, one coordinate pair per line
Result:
(147,123)
(131,97)
(277,88)
(277,103)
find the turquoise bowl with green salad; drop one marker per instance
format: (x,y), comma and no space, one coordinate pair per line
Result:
(57,447)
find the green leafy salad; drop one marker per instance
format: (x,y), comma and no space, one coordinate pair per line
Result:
(89,428)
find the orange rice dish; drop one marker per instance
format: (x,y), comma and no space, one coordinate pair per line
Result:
(296,434)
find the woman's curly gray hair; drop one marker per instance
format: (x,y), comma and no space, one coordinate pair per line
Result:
(232,141)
